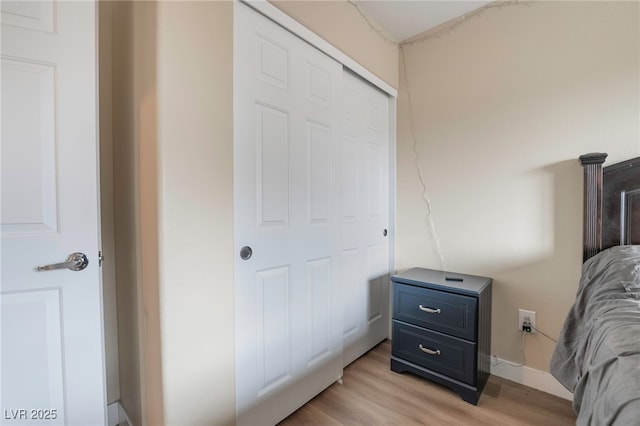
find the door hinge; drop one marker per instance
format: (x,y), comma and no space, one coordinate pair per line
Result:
(100,258)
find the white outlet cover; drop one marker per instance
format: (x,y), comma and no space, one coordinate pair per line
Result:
(522,314)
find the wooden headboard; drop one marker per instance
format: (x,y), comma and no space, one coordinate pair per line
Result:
(611,203)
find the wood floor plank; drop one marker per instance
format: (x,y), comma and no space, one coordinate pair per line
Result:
(310,415)
(372,394)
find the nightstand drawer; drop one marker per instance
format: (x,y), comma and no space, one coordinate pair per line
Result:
(455,358)
(448,313)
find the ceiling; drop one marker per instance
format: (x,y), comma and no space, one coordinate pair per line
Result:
(403,19)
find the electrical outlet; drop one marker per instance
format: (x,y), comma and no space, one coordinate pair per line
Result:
(523,314)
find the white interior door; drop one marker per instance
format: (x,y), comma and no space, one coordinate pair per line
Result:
(365,216)
(287,210)
(52,368)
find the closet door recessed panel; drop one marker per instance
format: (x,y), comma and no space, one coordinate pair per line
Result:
(272,137)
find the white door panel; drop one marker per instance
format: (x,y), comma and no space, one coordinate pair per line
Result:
(365,216)
(34,15)
(286,184)
(29,198)
(52,368)
(32,351)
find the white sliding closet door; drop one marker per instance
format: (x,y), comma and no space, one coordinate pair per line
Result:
(287,189)
(365,216)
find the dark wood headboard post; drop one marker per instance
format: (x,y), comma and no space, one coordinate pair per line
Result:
(592,221)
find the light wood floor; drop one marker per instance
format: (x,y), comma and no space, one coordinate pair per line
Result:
(372,394)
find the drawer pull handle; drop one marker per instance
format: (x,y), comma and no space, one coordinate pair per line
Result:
(429,310)
(429,351)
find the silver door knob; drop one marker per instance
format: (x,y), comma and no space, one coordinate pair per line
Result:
(74,262)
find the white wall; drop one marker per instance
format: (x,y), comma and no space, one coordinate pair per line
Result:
(195,204)
(135,211)
(503,105)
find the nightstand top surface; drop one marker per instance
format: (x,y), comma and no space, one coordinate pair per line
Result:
(431,278)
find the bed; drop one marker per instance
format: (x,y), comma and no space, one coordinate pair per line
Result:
(597,356)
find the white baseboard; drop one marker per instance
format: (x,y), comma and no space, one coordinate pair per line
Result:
(116,415)
(531,377)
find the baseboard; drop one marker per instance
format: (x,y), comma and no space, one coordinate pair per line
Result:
(531,377)
(117,415)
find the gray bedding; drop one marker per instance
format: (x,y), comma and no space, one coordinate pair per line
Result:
(598,352)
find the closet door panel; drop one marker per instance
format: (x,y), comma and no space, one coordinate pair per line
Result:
(272,326)
(272,166)
(287,204)
(365,215)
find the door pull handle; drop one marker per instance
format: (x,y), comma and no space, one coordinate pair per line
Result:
(429,310)
(429,351)
(74,262)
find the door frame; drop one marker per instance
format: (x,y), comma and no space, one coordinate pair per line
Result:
(284,20)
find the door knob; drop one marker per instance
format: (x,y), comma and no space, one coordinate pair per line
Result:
(74,262)
(245,253)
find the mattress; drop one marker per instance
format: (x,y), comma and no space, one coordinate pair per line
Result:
(597,356)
